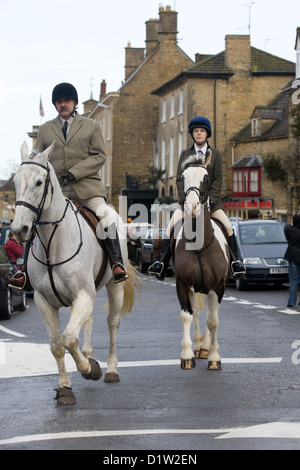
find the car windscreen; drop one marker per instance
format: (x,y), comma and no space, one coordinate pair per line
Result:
(253,234)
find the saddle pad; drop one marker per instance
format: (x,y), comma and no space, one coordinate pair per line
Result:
(91,218)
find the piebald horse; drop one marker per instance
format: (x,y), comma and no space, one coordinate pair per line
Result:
(63,263)
(201,265)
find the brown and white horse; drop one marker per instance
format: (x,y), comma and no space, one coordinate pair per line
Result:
(201,265)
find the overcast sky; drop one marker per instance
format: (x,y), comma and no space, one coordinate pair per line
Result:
(46,42)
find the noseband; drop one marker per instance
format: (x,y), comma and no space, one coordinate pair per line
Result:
(202,196)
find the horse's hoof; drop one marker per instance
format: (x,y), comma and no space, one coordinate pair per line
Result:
(201,353)
(214,365)
(111,377)
(188,364)
(65,396)
(96,372)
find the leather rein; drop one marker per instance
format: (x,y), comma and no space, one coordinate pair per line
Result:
(38,211)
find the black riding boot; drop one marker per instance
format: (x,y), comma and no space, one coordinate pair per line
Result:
(237,267)
(113,249)
(160,268)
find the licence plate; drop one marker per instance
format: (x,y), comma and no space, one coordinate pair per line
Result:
(279,270)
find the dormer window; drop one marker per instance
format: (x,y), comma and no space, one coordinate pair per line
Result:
(255,127)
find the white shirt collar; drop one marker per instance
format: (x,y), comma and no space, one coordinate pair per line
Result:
(203,150)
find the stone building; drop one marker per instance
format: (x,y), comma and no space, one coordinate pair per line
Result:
(128,118)
(7,201)
(226,88)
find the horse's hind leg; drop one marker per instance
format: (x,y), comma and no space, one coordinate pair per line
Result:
(214,360)
(115,293)
(65,396)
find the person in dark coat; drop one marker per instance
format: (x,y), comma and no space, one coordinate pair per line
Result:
(292,255)
(200,131)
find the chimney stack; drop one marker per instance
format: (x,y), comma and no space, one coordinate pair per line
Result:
(238,53)
(102,89)
(167,24)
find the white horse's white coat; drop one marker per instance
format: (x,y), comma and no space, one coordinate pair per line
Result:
(74,279)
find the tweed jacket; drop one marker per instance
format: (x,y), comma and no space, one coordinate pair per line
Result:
(215,175)
(83,153)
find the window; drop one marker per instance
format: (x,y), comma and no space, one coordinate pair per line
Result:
(246,182)
(172,107)
(180,140)
(163,154)
(171,161)
(164,111)
(180,107)
(256,127)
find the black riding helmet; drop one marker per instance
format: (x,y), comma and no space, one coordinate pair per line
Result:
(200,121)
(64,90)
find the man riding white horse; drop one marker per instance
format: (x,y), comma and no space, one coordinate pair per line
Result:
(78,156)
(200,131)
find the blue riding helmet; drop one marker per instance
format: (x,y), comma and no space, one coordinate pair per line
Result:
(200,121)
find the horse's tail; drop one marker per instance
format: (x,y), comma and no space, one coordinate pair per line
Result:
(130,286)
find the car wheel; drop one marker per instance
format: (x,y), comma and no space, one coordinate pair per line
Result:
(21,307)
(142,266)
(240,284)
(5,305)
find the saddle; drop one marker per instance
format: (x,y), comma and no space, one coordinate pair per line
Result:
(92,219)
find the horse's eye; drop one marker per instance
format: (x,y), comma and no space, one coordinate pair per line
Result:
(38,183)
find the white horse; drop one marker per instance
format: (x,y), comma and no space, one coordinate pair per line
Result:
(201,265)
(63,264)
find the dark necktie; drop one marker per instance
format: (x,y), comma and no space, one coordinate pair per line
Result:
(64,129)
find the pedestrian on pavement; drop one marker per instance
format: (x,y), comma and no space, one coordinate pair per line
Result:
(200,131)
(292,255)
(13,248)
(78,156)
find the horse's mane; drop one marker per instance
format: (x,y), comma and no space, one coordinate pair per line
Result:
(197,159)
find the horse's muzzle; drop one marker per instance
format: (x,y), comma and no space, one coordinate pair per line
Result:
(22,233)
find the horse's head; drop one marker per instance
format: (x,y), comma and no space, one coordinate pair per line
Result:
(33,190)
(195,179)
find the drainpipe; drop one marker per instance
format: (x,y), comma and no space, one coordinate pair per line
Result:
(215,113)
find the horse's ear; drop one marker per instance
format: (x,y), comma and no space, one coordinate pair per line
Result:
(24,151)
(44,157)
(208,157)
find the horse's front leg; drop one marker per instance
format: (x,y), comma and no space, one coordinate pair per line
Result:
(65,396)
(115,293)
(81,315)
(214,359)
(186,315)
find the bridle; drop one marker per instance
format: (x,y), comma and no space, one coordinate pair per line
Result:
(36,223)
(202,195)
(38,210)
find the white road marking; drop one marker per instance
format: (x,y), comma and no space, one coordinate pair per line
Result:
(30,359)
(11,332)
(275,430)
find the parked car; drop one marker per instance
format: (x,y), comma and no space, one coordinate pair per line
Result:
(145,253)
(11,300)
(136,234)
(261,245)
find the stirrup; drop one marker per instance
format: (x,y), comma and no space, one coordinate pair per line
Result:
(17,281)
(122,275)
(156,268)
(238,269)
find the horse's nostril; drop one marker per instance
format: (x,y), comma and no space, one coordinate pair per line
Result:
(24,229)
